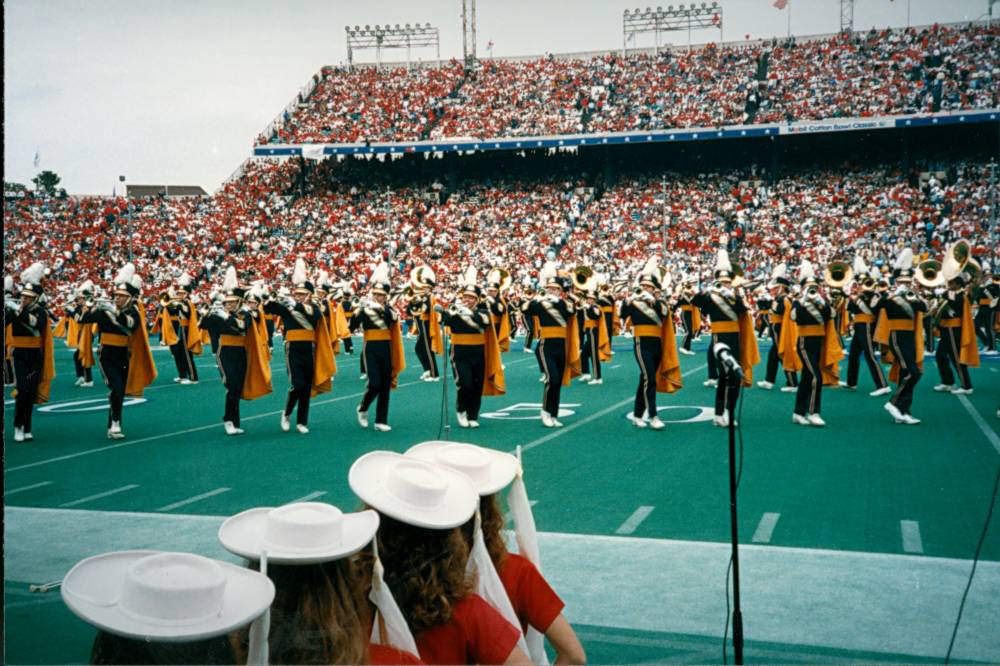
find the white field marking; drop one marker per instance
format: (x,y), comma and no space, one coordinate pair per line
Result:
(310,497)
(874,602)
(765,528)
(151,438)
(31,487)
(912,542)
(640,514)
(173,384)
(991,436)
(192,500)
(585,421)
(38,601)
(108,493)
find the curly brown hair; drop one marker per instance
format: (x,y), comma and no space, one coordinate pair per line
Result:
(424,568)
(493,523)
(319,616)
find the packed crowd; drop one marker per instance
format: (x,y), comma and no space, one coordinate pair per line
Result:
(847,75)
(336,220)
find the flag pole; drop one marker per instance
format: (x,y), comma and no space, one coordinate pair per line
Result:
(789,19)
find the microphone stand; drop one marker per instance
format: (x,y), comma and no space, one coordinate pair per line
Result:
(445,418)
(729,376)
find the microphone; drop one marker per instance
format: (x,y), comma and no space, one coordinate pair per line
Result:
(724,355)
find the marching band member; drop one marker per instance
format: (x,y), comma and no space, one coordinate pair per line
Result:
(32,349)
(958,348)
(347,305)
(812,333)
(730,325)
(496,303)
(655,346)
(421,309)
(8,298)
(308,354)
(558,344)
(986,314)
(863,309)
(475,352)
(382,352)
(596,343)
(690,314)
(530,334)
(606,301)
(81,338)
(241,355)
(180,329)
(900,326)
(780,314)
(126,361)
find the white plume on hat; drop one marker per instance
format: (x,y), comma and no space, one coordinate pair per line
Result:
(86,285)
(652,267)
(33,274)
(469,277)
(299,274)
(905,260)
(779,271)
(548,271)
(136,281)
(806,270)
(322,278)
(860,268)
(8,283)
(230,282)
(125,274)
(722,262)
(183,281)
(380,274)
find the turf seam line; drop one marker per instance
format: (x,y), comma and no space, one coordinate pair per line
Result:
(31,487)
(765,528)
(111,447)
(592,417)
(912,543)
(108,493)
(991,436)
(192,500)
(633,521)
(308,498)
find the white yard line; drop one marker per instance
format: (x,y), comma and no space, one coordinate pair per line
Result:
(593,417)
(991,436)
(108,493)
(765,528)
(192,500)
(25,488)
(639,515)
(151,438)
(912,542)
(310,497)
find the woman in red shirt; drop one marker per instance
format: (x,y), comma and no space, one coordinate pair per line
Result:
(320,613)
(421,505)
(534,601)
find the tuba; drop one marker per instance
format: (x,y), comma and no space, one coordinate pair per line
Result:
(421,278)
(838,274)
(581,274)
(957,260)
(929,274)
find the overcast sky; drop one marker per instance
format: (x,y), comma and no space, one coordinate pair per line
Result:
(174,91)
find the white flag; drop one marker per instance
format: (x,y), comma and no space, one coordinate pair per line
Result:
(312,151)
(38,158)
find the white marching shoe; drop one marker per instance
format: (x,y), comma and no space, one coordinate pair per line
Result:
(473,424)
(961,391)
(944,388)
(362,418)
(882,391)
(636,421)
(231,428)
(426,374)
(462,419)
(382,427)
(767,386)
(894,411)
(585,377)
(547,420)
(364,376)
(19,434)
(798,419)
(816,420)
(78,382)
(185,381)
(710,382)
(595,382)
(907,419)
(28,437)
(302,429)
(656,424)
(686,352)
(542,378)
(286,425)
(115,431)
(177,380)
(89,384)
(789,389)
(428,378)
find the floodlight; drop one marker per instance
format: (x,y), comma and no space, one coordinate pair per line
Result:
(659,10)
(407,26)
(428,26)
(356,28)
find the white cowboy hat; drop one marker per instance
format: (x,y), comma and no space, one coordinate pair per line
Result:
(490,470)
(299,533)
(165,597)
(413,491)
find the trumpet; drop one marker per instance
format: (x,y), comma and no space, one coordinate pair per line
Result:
(812,292)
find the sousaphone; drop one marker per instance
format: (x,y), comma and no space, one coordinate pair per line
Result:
(929,274)
(838,274)
(957,260)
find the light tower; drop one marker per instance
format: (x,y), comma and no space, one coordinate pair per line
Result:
(847,15)
(469,33)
